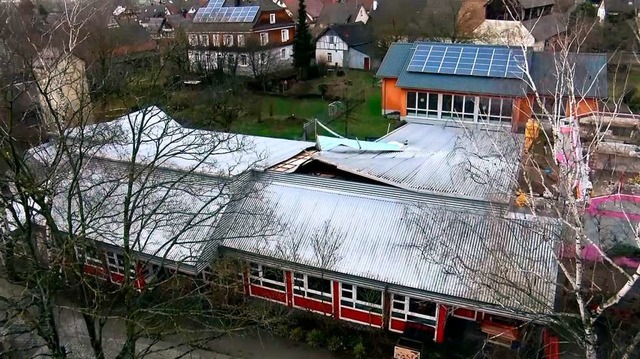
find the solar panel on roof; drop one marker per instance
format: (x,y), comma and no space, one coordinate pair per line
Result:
(214,12)
(501,62)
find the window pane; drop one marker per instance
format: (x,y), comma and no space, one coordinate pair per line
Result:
(411,100)
(447,101)
(422,100)
(433,105)
(346,294)
(469,107)
(273,274)
(397,315)
(398,305)
(507,107)
(298,275)
(458,104)
(422,307)
(319,284)
(399,298)
(369,295)
(346,303)
(347,286)
(484,105)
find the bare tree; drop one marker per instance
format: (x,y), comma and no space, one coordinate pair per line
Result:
(565,137)
(104,218)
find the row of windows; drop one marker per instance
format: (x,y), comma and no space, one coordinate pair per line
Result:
(459,107)
(208,59)
(352,296)
(228,40)
(115,261)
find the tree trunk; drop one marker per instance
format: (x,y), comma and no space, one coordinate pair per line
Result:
(94,337)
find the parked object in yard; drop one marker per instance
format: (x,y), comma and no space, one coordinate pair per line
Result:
(407,349)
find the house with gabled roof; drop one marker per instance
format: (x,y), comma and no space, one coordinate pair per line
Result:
(349,46)
(486,84)
(248,37)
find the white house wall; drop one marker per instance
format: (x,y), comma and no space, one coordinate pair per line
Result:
(356,59)
(337,49)
(362,16)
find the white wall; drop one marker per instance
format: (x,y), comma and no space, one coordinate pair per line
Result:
(362,16)
(209,62)
(356,60)
(337,49)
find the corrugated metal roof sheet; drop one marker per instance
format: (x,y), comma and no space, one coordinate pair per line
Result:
(168,144)
(589,74)
(394,61)
(462,84)
(472,162)
(172,212)
(435,248)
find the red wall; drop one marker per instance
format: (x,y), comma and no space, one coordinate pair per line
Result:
(336,300)
(95,270)
(465,313)
(268,293)
(363,317)
(312,304)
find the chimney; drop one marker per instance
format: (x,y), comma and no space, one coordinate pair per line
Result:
(375,4)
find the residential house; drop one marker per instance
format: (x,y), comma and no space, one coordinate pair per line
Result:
(249,37)
(313,8)
(538,33)
(520,10)
(63,89)
(618,8)
(347,46)
(384,218)
(484,83)
(344,12)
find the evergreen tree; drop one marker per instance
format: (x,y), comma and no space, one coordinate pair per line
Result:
(302,46)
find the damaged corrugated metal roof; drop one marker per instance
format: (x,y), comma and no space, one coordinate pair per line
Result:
(430,243)
(469,161)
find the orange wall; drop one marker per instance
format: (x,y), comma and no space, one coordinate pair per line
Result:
(393,98)
(585,106)
(521,112)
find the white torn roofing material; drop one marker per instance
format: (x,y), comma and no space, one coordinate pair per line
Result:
(325,143)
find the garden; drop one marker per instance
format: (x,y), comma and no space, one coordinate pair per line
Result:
(231,107)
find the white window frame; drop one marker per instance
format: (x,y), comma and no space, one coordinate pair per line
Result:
(284,35)
(332,39)
(301,284)
(89,259)
(228,40)
(264,38)
(262,58)
(272,18)
(450,114)
(243,60)
(118,264)
(404,313)
(256,277)
(241,41)
(353,302)
(231,58)
(194,39)
(216,40)
(204,40)
(329,58)
(283,54)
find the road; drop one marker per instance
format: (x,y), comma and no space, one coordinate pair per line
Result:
(246,345)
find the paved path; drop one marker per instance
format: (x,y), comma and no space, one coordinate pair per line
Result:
(250,344)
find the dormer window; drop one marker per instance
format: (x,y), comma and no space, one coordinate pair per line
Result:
(272,18)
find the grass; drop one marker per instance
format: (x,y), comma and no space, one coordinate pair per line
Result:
(283,117)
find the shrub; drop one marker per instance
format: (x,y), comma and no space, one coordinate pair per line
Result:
(297,334)
(340,73)
(335,344)
(315,338)
(323,89)
(359,351)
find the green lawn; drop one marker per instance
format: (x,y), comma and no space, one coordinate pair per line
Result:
(275,116)
(284,117)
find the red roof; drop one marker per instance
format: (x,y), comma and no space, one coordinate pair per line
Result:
(314,7)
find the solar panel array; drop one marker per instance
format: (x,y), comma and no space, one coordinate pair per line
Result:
(215,12)
(485,61)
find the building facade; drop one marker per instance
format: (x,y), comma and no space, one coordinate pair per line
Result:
(348,46)
(248,38)
(472,84)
